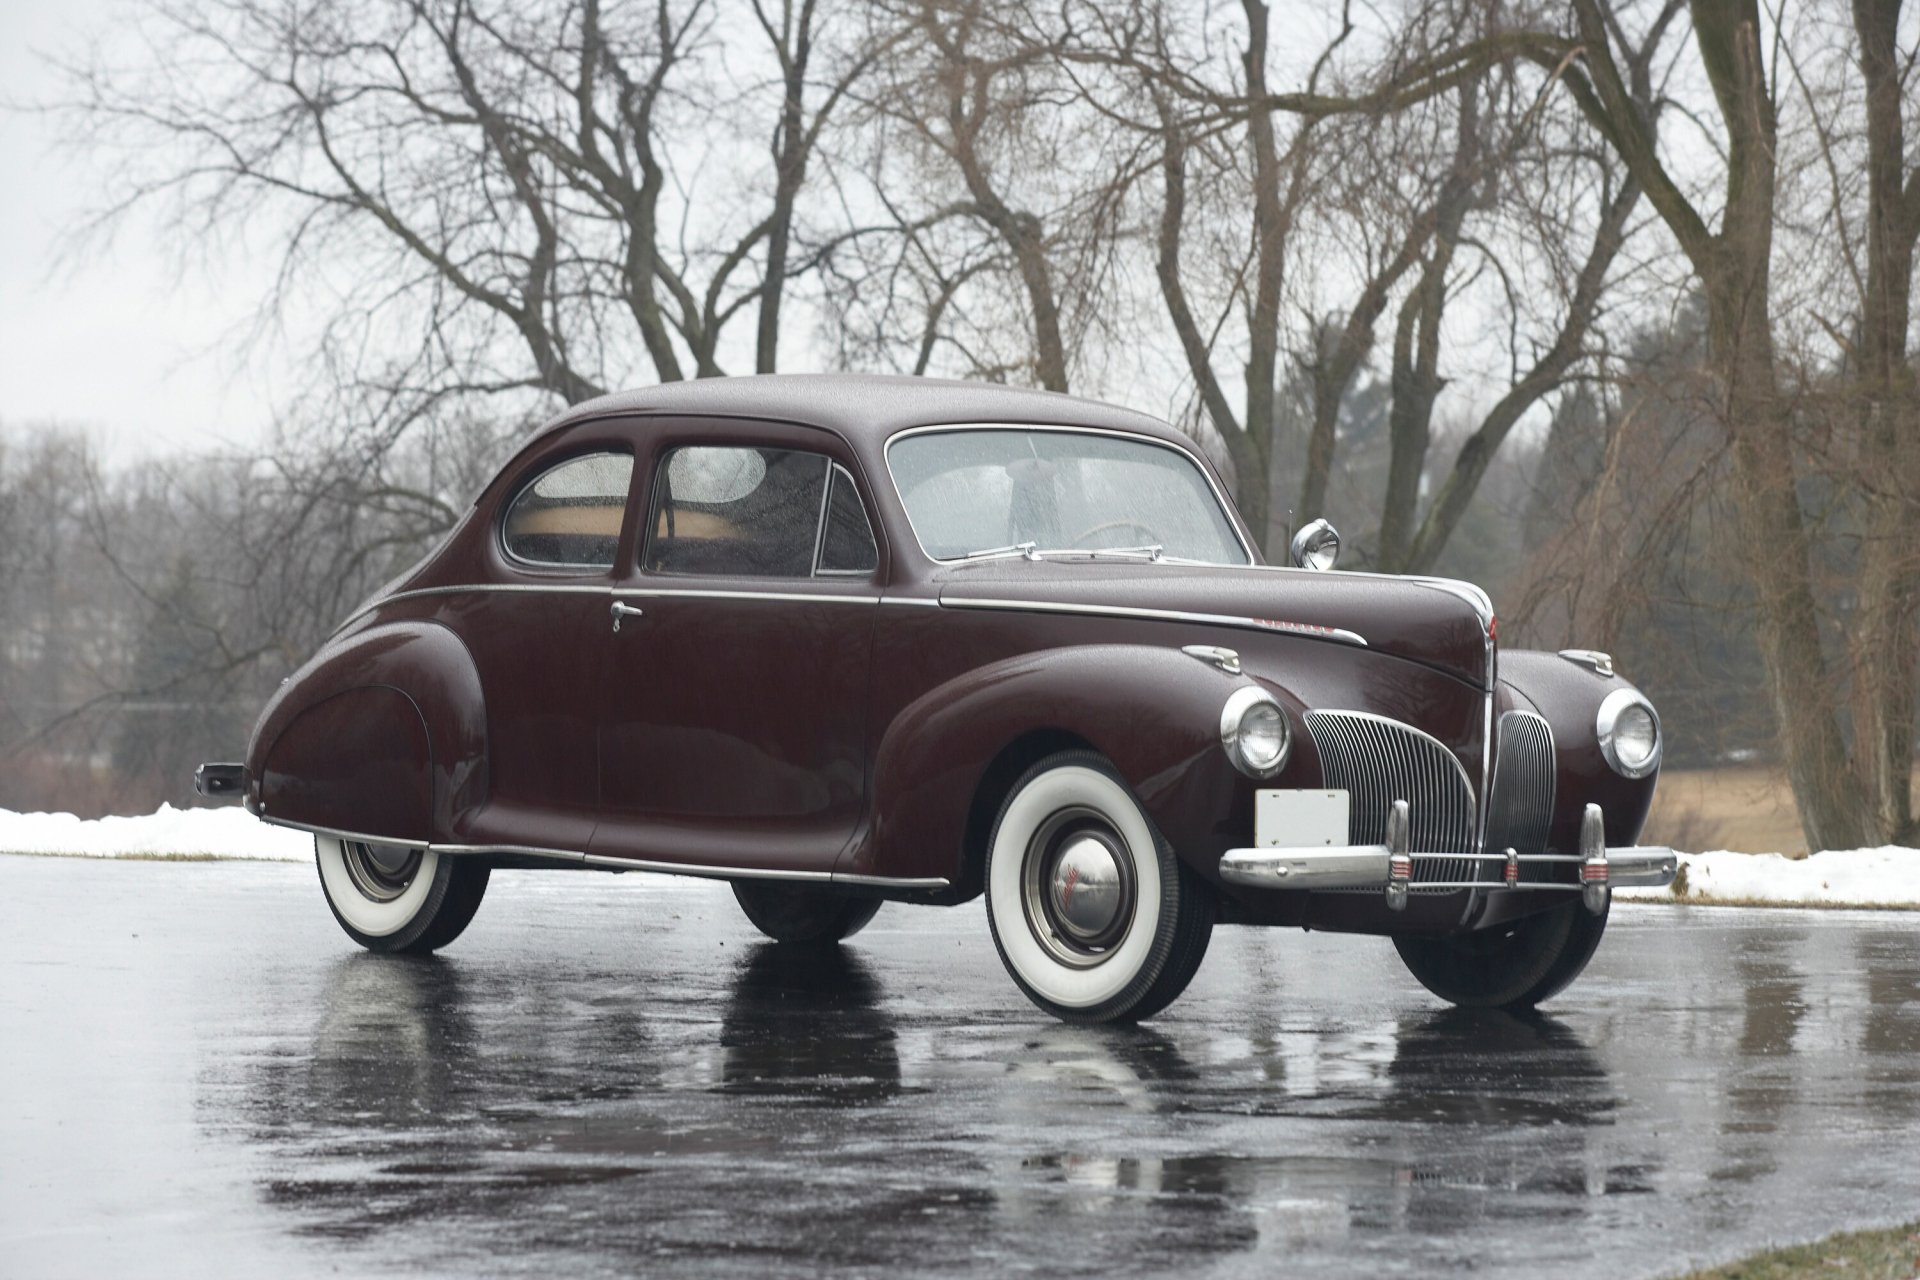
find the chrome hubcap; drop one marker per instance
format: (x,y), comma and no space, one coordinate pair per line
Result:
(1077,887)
(1086,886)
(381,872)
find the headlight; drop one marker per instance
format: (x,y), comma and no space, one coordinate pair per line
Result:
(1629,733)
(1254,731)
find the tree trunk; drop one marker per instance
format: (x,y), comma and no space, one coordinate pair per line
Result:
(1263,318)
(1883,634)
(1773,533)
(1732,265)
(790,170)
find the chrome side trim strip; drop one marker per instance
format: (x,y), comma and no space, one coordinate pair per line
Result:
(635,864)
(336,833)
(923,602)
(420,593)
(892,882)
(521,850)
(762,873)
(702,872)
(800,597)
(613,592)
(1309,630)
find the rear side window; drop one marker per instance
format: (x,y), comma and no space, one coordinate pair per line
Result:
(569,517)
(737,510)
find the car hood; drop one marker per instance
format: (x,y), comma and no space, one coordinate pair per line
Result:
(1436,622)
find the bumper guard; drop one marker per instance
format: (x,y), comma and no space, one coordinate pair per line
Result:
(1390,866)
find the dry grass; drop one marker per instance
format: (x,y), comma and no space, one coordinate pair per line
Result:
(1893,1254)
(1746,807)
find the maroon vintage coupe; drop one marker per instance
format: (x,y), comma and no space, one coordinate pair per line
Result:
(840,640)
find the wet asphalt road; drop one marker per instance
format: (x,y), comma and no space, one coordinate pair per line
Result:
(610,1075)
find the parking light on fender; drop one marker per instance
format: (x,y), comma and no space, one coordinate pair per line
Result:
(1254,732)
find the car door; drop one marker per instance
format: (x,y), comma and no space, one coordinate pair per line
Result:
(733,705)
(535,629)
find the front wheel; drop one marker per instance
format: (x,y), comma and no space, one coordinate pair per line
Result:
(1511,966)
(396,898)
(1094,916)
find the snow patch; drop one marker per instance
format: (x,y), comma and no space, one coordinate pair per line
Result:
(166,833)
(1887,876)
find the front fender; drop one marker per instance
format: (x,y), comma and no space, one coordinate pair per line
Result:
(1154,712)
(382,733)
(1568,695)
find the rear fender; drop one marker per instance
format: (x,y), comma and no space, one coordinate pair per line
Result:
(383,734)
(1152,711)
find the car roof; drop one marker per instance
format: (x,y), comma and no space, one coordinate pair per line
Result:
(866,408)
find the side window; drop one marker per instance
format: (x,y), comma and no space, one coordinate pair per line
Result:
(737,510)
(569,517)
(846,540)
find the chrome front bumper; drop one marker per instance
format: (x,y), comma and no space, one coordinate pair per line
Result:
(1390,866)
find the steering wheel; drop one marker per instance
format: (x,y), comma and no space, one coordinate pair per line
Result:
(1079,539)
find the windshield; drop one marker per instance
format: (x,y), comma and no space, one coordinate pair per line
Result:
(996,490)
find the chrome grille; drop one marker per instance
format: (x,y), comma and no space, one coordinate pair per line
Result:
(1377,761)
(1520,802)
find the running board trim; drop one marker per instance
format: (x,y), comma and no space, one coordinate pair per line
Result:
(601,861)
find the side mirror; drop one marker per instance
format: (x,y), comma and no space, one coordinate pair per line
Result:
(1316,546)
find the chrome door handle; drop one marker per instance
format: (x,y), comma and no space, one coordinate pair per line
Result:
(620,610)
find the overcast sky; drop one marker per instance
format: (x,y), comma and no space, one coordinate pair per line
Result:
(119,341)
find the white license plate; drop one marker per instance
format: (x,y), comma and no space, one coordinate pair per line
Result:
(1299,819)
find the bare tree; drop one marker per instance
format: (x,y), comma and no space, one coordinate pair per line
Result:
(1733,262)
(999,191)
(506,197)
(1885,647)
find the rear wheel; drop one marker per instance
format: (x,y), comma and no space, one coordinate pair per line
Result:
(813,913)
(1094,916)
(398,898)
(1512,966)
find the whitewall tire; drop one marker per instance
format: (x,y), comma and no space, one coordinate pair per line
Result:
(395,898)
(1094,916)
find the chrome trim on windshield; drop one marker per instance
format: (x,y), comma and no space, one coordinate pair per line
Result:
(1213,484)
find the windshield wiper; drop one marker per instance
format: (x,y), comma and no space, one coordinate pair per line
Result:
(1120,553)
(1027,549)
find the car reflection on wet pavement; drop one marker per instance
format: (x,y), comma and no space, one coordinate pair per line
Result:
(612,1075)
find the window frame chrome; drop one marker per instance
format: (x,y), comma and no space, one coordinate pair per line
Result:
(657,495)
(834,471)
